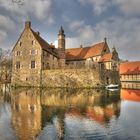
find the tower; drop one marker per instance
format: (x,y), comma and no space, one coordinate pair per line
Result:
(61,47)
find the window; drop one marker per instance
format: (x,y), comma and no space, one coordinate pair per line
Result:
(44,53)
(48,66)
(48,55)
(43,65)
(18,65)
(18,53)
(33,52)
(32,64)
(20,43)
(33,42)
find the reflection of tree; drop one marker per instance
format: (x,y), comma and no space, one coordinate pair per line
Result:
(61,125)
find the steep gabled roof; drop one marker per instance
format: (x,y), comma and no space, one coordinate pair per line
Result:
(44,44)
(106,58)
(130,68)
(86,52)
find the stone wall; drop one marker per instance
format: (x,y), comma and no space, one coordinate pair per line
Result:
(73,78)
(110,77)
(25,75)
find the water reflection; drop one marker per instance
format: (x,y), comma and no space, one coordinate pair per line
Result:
(48,113)
(66,114)
(130,94)
(26,113)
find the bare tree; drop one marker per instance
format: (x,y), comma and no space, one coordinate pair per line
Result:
(19,2)
(5,65)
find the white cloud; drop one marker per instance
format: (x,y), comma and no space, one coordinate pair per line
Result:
(121,32)
(6,23)
(128,7)
(55,43)
(76,24)
(3,36)
(99,6)
(85,32)
(73,42)
(39,8)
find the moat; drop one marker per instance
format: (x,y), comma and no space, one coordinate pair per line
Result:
(69,114)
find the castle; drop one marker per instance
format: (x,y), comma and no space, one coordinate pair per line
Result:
(32,54)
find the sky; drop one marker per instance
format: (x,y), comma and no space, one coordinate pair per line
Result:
(85,22)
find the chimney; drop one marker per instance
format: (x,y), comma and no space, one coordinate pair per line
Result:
(105,39)
(38,33)
(81,46)
(27,24)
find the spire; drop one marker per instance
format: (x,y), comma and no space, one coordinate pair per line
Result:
(113,49)
(61,31)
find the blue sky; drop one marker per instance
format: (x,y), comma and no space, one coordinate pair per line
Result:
(85,22)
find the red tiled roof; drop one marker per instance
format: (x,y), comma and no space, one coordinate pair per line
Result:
(84,53)
(132,95)
(130,68)
(106,57)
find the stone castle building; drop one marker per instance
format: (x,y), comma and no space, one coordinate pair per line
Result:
(32,54)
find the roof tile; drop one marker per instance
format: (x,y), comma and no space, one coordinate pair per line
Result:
(130,67)
(106,57)
(84,53)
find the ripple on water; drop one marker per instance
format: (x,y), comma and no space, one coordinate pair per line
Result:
(86,129)
(48,133)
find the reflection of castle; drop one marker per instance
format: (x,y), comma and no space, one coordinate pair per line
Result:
(131,95)
(26,114)
(83,105)
(50,111)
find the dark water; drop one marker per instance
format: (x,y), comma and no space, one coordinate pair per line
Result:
(64,114)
